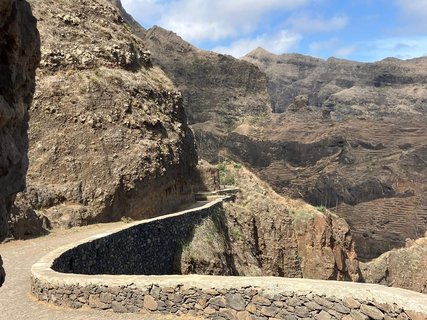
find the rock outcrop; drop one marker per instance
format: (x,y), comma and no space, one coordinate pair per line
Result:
(403,268)
(269,235)
(353,139)
(390,87)
(218,90)
(108,133)
(19,57)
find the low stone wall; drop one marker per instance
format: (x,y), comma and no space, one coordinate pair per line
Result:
(153,247)
(211,297)
(218,302)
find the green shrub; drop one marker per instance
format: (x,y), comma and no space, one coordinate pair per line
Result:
(321,209)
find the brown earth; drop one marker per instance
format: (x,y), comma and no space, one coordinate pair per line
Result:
(262,233)
(108,132)
(375,178)
(404,267)
(19,57)
(354,138)
(390,87)
(216,88)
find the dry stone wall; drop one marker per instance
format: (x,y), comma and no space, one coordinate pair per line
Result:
(152,248)
(212,297)
(193,296)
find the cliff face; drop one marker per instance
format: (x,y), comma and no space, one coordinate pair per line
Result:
(386,88)
(108,132)
(403,268)
(352,139)
(19,56)
(372,173)
(217,89)
(269,235)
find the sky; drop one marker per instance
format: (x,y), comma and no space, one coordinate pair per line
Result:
(362,30)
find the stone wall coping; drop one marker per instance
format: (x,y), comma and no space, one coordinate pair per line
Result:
(42,271)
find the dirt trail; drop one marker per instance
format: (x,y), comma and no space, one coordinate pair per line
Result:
(16,302)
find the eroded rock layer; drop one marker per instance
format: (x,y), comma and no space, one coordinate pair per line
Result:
(346,88)
(269,235)
(218,90)
(19,56)
(353,136)
(403,267)
(108,132)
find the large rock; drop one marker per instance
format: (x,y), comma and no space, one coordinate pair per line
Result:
(262,233)
(19,56)
(108,133)
(403,268)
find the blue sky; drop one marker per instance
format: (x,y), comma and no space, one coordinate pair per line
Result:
(363,30)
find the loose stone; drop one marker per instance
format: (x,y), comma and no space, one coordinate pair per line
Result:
(372,312)
(150,303)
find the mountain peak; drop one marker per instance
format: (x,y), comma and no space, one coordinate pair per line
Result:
(259,51)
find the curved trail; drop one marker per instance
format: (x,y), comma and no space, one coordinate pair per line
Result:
(16,301)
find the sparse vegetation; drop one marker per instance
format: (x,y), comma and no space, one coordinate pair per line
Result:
(301,216)
(237,165)
(321,209)
(236,235)
(226,176)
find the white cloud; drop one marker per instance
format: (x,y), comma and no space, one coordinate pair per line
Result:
(201,20)
(413,8)
(398,47)
(306,23)
(403,48)
(278,43)
(346,51)
(414,12)
(327,45)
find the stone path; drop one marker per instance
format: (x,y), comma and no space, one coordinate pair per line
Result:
(16,301)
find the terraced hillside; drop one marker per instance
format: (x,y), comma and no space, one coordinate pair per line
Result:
(352,139)
(375,177)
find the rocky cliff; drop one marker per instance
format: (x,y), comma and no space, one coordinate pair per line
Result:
(218,90)
(371,172)
(19,57)
(352,137)
(404,268)
(389,87)
(108,133)
(264,234)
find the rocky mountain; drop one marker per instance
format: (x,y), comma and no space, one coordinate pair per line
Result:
(389,87)
(372,173)
(19,57)
(352,137)
(218,90)
(264,234)
(404,267)
(108,133)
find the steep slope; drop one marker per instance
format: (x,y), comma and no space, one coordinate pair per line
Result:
(108,132)
(217,89)
(403,268)
(332,147)
(19,57)
(266,234)
(386,88)
(372,173)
